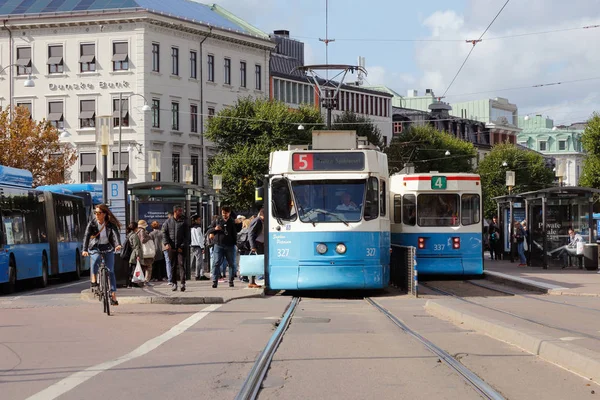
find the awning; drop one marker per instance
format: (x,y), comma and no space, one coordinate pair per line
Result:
(55,116)
(87,168)
(54,60)
(87,59)
(24,62)
(119,57)
(124,166)
(123,113)
(87,114)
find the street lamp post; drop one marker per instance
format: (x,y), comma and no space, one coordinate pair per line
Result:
(103,139)
(145,108)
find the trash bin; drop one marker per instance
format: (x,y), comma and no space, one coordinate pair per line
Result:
(590,256)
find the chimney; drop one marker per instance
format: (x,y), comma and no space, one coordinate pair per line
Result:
(282,32)
(429,91)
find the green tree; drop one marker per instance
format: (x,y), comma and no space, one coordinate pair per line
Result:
(349,121)
(426,147)
(245,134)
(590,141)
(530,170)
(34,146)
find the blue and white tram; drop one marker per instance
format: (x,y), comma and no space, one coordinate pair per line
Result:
(440,215)
(327,216)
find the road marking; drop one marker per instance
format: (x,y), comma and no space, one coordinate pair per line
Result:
(76,379)
(570,338)
(36,292)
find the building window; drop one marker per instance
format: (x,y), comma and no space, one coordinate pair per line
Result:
(27,106)
(242,73)
(211,67)
(276,89)
(123,165)
(543,145)
(562,145)
(194,118)
(211,112)
(258,77)
(55,60)
(397,128)
(87,57)
(24,60)
(155,57)
(194,169)
(120,58)
(55,114)
(227,71)
(87,167)
(176,167)
(124,112)
(385,141)
(174,61)
(175,116)
(193,65)
(155,113)
(87,114)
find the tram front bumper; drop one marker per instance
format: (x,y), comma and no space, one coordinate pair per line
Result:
(320,277)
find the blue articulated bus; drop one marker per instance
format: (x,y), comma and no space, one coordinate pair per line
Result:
(41,232)
(91,193)
(440,215)
(327,216)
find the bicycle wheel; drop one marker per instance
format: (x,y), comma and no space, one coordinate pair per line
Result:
(106,290)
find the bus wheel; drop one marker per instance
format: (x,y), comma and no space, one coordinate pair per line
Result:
(43,281)
(11,286)
(77,273)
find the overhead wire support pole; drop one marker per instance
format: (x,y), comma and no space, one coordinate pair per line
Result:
(327,40)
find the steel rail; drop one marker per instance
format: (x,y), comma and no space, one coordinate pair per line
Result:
(475,381)
(251,385)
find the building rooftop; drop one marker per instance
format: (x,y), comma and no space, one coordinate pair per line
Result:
(189,10)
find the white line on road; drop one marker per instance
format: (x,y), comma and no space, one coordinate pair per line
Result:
(36,292)
(76,379)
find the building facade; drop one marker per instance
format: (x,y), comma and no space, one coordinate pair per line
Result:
(561,143)
(186,61)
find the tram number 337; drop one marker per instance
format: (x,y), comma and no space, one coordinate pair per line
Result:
(371,251)
(438,247)
(283,252)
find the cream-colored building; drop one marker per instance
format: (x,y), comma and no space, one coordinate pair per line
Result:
(186,61)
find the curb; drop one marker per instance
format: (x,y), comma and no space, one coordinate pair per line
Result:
(523,283)
(574,358)
(87,296)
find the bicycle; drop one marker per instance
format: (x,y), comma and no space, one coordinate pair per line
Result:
(103,288)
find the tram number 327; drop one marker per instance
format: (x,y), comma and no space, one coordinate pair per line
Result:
(283,252)
(371,251)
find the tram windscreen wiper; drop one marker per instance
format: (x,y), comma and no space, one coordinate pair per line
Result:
(303,213)
(279,221)
(331,214)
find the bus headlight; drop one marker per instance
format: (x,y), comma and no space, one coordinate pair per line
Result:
(321,248)
(340,248)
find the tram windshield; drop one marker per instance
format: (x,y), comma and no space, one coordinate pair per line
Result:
(438,209)
(329,200)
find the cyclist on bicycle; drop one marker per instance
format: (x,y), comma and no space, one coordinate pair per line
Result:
(102,235)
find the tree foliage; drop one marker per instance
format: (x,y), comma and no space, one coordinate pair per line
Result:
(590,141)
(245,134)
(530,170)
(349,121)
(426,147)
(34,146)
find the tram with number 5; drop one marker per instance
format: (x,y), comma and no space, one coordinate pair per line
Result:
(326,214)
(440,215)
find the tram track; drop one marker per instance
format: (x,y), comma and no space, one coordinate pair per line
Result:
(478,384)
(523,318)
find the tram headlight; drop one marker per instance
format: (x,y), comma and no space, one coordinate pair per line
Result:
(456,243)
(421,243)
(321,248)
(340,248)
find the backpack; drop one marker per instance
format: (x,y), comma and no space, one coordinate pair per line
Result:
(242,240)
(126,250)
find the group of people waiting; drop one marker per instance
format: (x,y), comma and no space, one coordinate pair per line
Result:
(492,239)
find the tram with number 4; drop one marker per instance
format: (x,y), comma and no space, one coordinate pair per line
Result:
(326,215)
(440,215)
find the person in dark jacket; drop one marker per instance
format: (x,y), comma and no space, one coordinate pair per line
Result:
(102,234)
(175,231)
(223,232)
(256,238)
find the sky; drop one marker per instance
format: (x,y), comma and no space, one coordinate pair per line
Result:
(400,41)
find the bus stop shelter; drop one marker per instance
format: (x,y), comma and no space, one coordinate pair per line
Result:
(549,213)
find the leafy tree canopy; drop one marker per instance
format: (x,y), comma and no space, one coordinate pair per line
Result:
(349,121)
(34,146)
(245,134)
(590,141)
(530,170)
(426,147)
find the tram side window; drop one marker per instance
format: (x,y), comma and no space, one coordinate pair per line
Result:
(409,210)
(397,208)
(470,212)
(372,199)
(281,200)
(382,197)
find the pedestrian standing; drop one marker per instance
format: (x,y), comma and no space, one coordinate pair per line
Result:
(520,239)
(158,266)
(256,238)
(136,250)
(197,242)
(223,233)
(174,239)
(146,261)
(166,254)
(495,242)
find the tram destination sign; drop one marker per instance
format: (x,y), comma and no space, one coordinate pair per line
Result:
(348,161)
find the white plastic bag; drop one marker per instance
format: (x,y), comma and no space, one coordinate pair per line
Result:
(579,248)
(138,274)
(525,246)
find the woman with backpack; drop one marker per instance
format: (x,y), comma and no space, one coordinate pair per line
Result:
(135,250)
(148,250)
